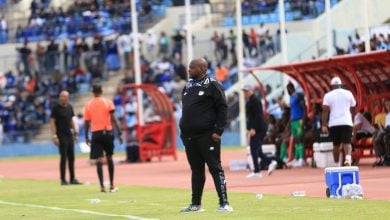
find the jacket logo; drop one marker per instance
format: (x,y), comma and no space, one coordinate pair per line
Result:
(201,93)
(185,93)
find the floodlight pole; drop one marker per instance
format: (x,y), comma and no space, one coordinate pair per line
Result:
(137,66)
(188,32)
(239,53)
(283,36)
(366,27)
(329,29)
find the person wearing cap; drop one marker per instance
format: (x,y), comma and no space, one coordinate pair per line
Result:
(297,116)
(256,129)
(64,134)
(99,116)
(204,117)
(339,104)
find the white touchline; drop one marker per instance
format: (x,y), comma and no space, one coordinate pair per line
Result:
(74,210)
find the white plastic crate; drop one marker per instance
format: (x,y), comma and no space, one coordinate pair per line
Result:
(323,155)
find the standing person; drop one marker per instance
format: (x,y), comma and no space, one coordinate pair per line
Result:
(99,115)
(61,126)
(204,116)
(257,129)
(339,103)
(298,115)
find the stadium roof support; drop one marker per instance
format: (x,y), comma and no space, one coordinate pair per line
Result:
(366,75)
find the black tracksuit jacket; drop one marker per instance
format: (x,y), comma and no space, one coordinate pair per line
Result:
(204,107)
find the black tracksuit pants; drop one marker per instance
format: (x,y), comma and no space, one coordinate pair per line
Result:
(201,150)
(256,143)
(66,149)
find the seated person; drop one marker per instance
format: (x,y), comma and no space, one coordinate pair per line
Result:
(378,136)
(386,159)
(362,126)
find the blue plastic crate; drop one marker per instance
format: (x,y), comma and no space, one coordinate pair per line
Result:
(337,177)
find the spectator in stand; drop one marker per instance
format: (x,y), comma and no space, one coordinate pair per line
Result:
(221,75)
(253,43)
(178,40)
(150,44)
(34,7)
(25,53)
(215,41)
(163,45)
(261,34)
(223,48)
(246,42)
(232,38)
(124,50)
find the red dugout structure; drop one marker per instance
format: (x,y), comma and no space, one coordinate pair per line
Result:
(366,75)
(157,138)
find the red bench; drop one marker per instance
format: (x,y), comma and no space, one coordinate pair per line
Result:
(362,148)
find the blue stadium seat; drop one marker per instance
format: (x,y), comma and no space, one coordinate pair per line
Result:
(228,22)
(255,19)
(274,17)
(245,20)
(264,18)
(289,16)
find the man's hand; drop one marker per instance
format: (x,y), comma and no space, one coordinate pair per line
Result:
(120,139)
(251,132)
(215,137)
(76,137)
(325,129)
(56,141)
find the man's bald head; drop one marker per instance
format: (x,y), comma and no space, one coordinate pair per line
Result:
(64,98)
(197,69)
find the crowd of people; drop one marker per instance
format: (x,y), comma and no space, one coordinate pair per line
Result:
(310,8)
(356,44)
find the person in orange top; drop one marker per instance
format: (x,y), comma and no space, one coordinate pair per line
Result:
(99,115)
(221,73)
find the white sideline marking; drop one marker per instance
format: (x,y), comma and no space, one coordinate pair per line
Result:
(74,210)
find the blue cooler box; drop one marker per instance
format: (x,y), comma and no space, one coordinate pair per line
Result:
(337,177)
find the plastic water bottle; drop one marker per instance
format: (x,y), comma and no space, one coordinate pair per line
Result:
(299,193)
(259,196)
(95,201)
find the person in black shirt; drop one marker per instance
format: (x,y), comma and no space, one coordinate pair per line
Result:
(61,125)
(204,116)
(257,129)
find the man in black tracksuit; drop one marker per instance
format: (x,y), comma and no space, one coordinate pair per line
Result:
(61,125)
(203,120)
(257,130)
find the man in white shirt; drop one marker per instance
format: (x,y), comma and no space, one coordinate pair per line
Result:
(339,103)
(124,49)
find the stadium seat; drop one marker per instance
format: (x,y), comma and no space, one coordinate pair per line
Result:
(228,22)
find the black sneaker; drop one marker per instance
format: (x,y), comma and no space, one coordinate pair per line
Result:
(75,182)
(64,182)
(103,190)
(192,208)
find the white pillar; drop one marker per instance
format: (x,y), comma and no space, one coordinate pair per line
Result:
(329,29)
(366,27)
(137,66)
(283,41)
(188,32)
(283,37)
(239,52)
